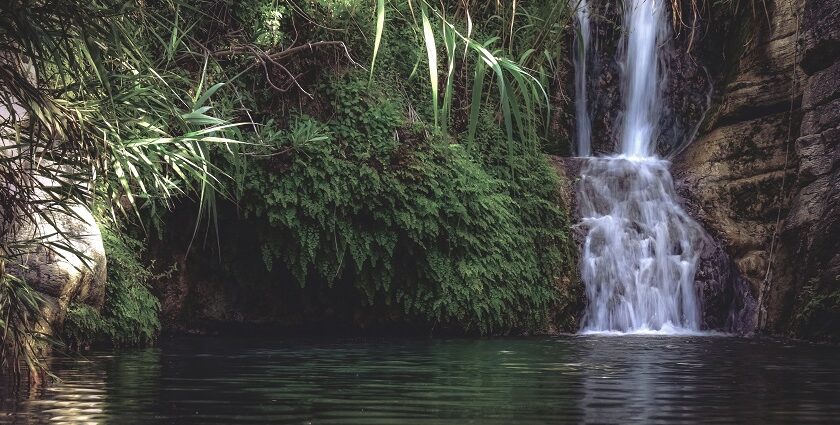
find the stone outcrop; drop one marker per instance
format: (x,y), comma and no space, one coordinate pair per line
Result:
(62,276)
(604,76)
(762,176)
(802,296)
(567,315)
(687,87)
(731,176)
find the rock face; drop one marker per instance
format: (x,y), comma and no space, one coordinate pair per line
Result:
(762,175)
(731,176)
(604,76)
(60,275)
(802,296)
(567,317)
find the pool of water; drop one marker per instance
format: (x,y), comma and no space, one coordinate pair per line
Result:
(574,379)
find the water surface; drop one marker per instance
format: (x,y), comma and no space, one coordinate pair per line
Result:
(575,379)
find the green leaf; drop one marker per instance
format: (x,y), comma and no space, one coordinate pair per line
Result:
(380,26)
(475,102)
(431,53)
(204,97)
(449,41)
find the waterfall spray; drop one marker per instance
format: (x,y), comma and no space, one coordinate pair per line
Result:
(639,256)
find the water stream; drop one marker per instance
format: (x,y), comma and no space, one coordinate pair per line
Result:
(639,256)
(582,43)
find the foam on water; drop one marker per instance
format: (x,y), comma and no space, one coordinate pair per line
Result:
(667,329)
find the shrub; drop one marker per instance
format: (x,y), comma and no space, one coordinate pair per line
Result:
(130,314)
(408,217)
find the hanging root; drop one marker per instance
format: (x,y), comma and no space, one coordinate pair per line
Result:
(678,20)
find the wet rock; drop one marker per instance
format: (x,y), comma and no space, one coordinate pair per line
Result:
(567,318)
(687,87)
(763,175)
(697,60)
(732,175)
(605,76)
(58,250)
(820,34)
(814,157)
(728,303)
(802,297)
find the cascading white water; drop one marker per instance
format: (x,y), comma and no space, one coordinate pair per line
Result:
(639,257)
(584,124)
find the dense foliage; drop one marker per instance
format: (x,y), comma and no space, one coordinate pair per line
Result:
(441,209)
(816,312)
(412,217)
(130,313)
(92,105)
(419,180)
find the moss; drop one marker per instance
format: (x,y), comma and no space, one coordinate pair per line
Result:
(130,314)
(816,313)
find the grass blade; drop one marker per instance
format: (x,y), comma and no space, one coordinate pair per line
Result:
(431,52)
(475,102)
(380,26)
(449,41)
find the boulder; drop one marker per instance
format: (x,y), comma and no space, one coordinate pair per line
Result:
(68,267)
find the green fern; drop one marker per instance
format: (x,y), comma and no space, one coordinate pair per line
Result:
(410,218)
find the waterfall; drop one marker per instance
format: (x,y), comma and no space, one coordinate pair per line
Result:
(644,26)
(639,256)
(583,124)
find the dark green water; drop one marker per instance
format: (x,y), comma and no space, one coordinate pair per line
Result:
(644,379)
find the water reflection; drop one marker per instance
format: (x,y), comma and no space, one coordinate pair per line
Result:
(678,379)
(580,379)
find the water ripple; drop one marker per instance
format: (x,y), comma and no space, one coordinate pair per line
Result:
(581,379)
